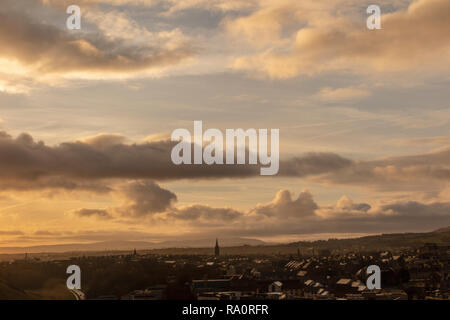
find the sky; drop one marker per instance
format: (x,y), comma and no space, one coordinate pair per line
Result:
(86,117)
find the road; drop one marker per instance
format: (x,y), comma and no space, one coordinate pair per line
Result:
(78,294)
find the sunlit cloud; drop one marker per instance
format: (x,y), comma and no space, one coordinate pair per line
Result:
(327,41)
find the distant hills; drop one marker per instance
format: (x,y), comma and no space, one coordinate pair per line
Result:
(129,245)
(368,243)
(384,241)
(442,230)
(247,246)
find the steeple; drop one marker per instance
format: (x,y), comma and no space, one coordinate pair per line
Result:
(216,249)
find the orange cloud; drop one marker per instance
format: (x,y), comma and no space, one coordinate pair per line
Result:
(410,39)
(43,48)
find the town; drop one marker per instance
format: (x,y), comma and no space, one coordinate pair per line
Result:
(415,273)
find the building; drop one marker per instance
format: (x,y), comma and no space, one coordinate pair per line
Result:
(212,285)
(217,249)
(275,286)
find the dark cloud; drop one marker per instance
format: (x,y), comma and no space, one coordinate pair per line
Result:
(27,164)
(27,161)
(347,205)
(53,185)
(313,163)
(139,199)
(396,173)
(98,213)
(145,198)
(49,49)
(414,209)
(205,213)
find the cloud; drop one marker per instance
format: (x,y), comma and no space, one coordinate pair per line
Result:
(102,157)
(11,232)
(440,140)
(342,94)
(10,86)
(345,207)
(176,6)
(397,173)
(91,163)
(157,137)
(343,217)
(285,216)
(145,198)
(151,207)
(313,163)
(90,235)
(284,206)
(87,163)
(52,185)
(140,199)
(279,39)
(173,6)
(207,214)
(46,233)
(261,28)
(331,39)
(98,213)
(414,209)
(48,50)
(345,203)
(105,140)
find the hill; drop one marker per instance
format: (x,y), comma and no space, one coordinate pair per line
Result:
(8,292)
(442,230)
(369,243)
(128,245)
(236,246)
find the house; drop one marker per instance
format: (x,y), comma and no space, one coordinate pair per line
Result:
(302,274)
(213,285)
(275,286)
(343,286)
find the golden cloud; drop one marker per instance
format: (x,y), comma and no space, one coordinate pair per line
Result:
(414,38)
(44,49)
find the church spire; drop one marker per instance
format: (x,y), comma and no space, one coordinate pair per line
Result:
(217,249)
